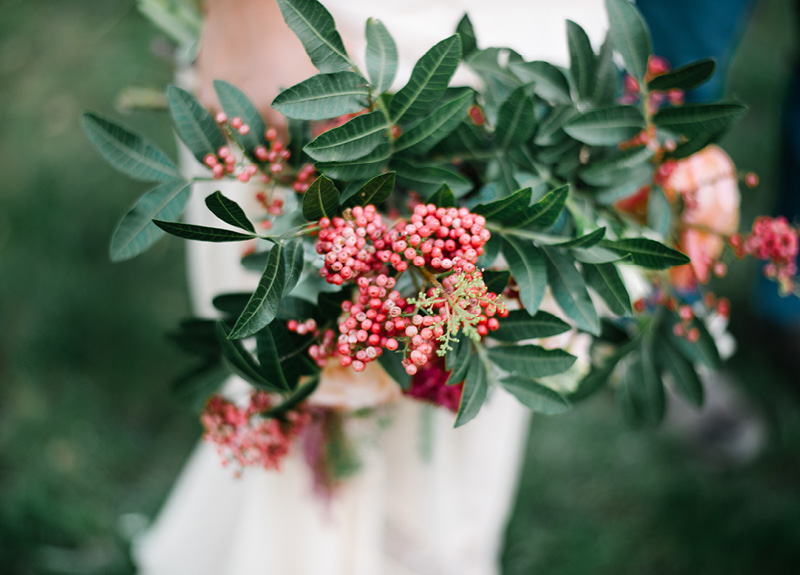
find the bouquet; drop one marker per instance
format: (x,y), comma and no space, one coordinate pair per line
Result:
(443,241)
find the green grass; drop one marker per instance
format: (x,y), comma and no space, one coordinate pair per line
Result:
(89,433)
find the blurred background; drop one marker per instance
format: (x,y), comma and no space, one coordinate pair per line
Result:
(91,437)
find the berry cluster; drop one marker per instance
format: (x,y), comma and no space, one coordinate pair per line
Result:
(436,238)
(320,352)
(682,329)
(349,244)
(656,66)
(358,246)
(244,437)
(775,241)
(461,303)
(304,178)
(372,322)
(224,163)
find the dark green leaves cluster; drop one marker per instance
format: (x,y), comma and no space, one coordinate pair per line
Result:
(541,152)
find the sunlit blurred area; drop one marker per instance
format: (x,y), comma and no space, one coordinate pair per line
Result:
(92,433)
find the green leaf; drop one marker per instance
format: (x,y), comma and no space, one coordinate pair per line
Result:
(686,380)
(473,395)
(231,303)
(293,256)
(195,125)
(692,146)
(381,56)
(491,249)
(515,120)
(299,396)
(582,66)
(508,210)
(443,198)
(647,253)
(196,385)
(585,241)
(315,28)
(237,104)
(626,183)
(228,211)
(500,172)
(519,326)
(428,81)
(530,360)
(299,135)
(659,211)
(362,168)
(535,396)
(641,392)
(437,125)
(461,361)
(321,200)
(375,191)
(324,96)
(427,179)
(597,255)
(128,151)
(546,211)
(597,377)
(606,126)
(136,233)
(527,265)
(392,362)
(295,308)
(615,166)
(704,350)
(686,77)
(352,140)
(606,281)
(606,84)
(570,291)
(266,299)
(550,131)
(549,83)
(241,362)
(496,281)
(269,356)
(556,153)
(202,233)
(466,32)
(629,35)
(699,119)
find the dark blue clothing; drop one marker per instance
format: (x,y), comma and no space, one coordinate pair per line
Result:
(684,31)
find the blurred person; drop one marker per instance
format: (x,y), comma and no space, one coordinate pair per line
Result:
(687,30)
(401,514)
(729,430)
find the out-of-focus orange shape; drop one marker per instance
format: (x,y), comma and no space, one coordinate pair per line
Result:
(707,181)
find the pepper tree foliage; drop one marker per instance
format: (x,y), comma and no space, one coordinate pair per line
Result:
(544,169)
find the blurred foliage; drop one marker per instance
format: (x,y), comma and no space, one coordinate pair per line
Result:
(90,439)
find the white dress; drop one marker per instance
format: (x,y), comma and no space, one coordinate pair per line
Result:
(402,514)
